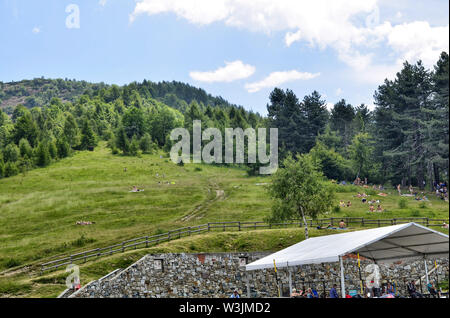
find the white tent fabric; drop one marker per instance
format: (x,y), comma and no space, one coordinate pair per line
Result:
(385,244)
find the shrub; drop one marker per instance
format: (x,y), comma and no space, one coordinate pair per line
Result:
(337,209)
(134,146)
(146,144)
(82,241)
(25,148)
(2,169)
(12,262)
(402,203)
(63,148)
(42,155)
(11,169)
(415,213)
(11,153)
(52,150)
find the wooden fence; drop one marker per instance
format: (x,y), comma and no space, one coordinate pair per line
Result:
(147,241)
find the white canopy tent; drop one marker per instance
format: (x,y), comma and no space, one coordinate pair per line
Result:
(386,244)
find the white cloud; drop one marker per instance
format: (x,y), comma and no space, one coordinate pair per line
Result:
(278,78)
(320,23)
(36,30)
(330,106)
(292,37)
(419,40)
(230,72)
(102,2)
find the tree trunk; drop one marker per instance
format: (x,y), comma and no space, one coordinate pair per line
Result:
(305,223)
(420,176)
(430,175)
(436,173)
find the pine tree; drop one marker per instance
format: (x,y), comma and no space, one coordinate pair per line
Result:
(122,141)
(11,153)
(134,146)
(87,136)
(42,155)
(52,150)
(146,144)
(315,115)
(63,148)
(341,121)
(25,149)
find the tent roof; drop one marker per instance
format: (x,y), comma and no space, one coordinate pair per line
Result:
(385,244)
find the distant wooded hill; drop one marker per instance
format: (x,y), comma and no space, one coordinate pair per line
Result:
(40,91)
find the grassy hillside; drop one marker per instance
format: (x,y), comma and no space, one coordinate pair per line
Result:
(39,210)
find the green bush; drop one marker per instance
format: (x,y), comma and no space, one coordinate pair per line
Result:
(11,169)
(415,213)
(402,203)
(12,262)
(337,209)
(82,241)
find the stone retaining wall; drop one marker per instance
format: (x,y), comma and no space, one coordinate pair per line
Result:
(217,275)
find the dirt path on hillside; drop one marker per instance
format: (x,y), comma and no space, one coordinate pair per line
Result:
(200,210)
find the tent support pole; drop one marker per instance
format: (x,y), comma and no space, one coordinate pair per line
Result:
(290,282)
(248,285)
(342,277)
(426,271)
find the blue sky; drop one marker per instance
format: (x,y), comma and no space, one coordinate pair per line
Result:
(236,49)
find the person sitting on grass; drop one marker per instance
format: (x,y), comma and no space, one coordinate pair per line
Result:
(342,204)
(342,224)
(371,208)
(379,208)
(329,226)
(349,204)
(135,189)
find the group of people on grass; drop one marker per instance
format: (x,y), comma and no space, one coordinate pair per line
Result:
(371,203)
(342,226)
(441,190)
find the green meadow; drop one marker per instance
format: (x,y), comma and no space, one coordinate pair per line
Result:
(39,211)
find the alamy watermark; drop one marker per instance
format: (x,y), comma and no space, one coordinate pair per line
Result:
(73,19)
(73,280)
(212,152)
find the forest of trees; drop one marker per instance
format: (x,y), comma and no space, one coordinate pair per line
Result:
(405,139)
(128,118)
